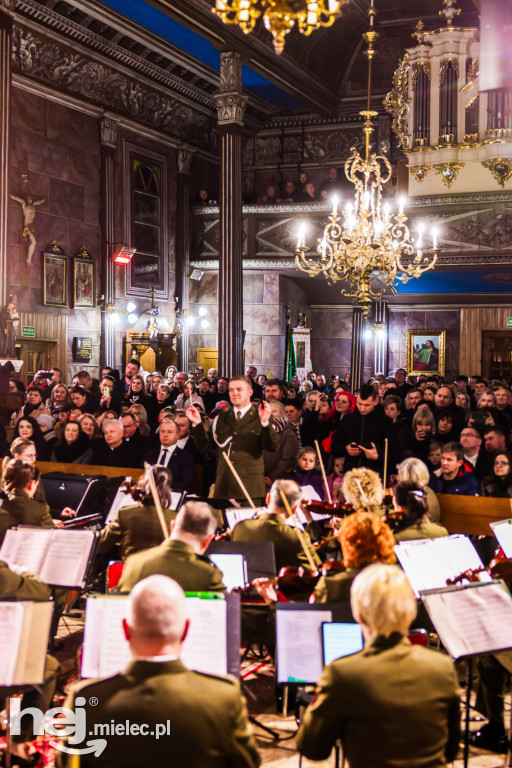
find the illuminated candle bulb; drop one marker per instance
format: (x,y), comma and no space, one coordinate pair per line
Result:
(333,6)
(366,200)
(301,239)
(401,204)
(419,241)
(334,205)
(378,229)
(323,247)
(387,210)
(395,245)
(434,238)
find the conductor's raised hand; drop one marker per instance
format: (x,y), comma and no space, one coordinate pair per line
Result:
(193,415)
(264,413)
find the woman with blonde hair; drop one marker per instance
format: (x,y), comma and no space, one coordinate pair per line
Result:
(413,470)
(362,488)
(141,416)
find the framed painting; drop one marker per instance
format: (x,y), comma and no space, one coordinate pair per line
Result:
(302,345)
(426,352)
(84,283)
(55,293)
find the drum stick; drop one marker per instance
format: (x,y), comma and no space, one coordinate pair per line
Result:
(329,497)
(156,498)
(239,480)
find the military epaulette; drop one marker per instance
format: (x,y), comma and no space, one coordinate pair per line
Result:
(224,678)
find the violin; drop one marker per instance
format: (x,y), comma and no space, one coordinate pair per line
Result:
(397,520)
(318,545)
(498,568)
(295,581)
(137,493)
(337,509)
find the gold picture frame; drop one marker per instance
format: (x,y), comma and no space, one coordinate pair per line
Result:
(55,288)
(426,352)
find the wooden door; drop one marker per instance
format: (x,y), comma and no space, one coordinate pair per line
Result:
(207,358)
(496,354)
(36,356)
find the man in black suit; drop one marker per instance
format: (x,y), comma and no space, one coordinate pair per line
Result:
(133,438)
(112,451)
(169,455)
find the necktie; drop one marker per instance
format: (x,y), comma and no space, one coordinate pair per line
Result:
(238,416)
(163,458)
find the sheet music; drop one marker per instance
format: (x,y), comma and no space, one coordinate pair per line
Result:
(234,516)
(472,619)
(299,645)
(234,569)
(11,626)
(309,493)
(67,558)
(121,499)
(502,529)
(205,647)
(428,563)
(33,643)
(26,547)
(107,652)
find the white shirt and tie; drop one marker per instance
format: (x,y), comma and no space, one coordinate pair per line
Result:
(240,412)
(165,455)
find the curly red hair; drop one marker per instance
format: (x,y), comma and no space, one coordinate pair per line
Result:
(365,538)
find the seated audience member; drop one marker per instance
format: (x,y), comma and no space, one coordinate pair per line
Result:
(25,450)
(141,417)
(188,397)
(81,400)
(364,539)
(28,428)
(308,195)
(463,401)
(362,488)
(454,477)
(277,463)
(133,438)
(269,197)
(333,185)
(46,425)
(414,470)
(58,399)
(271,526)
(410,707)
(207,712)
(335,480)
(163,398)
(92,387)
(446,431)
(168,454)
(136,393)
(411,500)
(495,439)
(289,194)
(274,390)
(416,441)
(90,426)
(180,556)
(138,527)
(306,471)
(73,446)
(434,454)
(110,398)
(498,483)
(20,480)
(487,406)
(209,398)
(34,405)
(112,451)
(475,453)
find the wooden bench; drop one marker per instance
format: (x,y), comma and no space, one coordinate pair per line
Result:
(88,469)
(471,515)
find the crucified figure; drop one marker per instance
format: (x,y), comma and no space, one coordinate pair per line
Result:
(28,210)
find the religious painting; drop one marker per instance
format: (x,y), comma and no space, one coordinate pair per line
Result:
(302,346)
(84,283)
(426,352)
(55,292)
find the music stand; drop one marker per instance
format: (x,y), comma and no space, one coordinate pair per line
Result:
(471,620)
(259,556)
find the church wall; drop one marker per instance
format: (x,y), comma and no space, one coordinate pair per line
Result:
(58,150)
(331,340)
(403,320)
(474,320)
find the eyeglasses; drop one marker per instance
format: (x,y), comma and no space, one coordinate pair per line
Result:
(468,434)
(501,463)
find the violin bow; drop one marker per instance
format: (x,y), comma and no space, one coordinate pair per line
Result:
(239,481)
(363,494)
(384,474)
(156,498)
(329,497)
(300,534)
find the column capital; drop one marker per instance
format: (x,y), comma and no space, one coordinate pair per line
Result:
(7,5)
(184,157)
(229,100)
(108,131)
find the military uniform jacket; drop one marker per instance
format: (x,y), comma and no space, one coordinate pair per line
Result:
(206,715)
(22,510)
(423,529)
(244,442)
(270,527)
(393,705)
(135,528)
(194,573)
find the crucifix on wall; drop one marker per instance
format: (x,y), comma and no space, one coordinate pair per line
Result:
(28,211)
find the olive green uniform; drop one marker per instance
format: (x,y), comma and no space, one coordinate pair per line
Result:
(194,573)
(206,715)
(392,705)
(244,442)
(272,527)
(135,528)
(22,510)
(424,529)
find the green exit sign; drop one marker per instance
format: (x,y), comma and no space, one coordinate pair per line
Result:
(30,331)
(509,322)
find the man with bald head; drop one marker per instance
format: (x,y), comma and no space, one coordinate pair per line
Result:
(200,719)
(182,555)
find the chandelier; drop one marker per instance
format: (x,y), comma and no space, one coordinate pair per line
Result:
(369,241)
(279,16)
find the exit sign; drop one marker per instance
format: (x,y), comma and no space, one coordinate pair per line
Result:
(30,331)
(509,322)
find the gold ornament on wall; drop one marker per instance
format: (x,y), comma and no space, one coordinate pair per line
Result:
(419,172)
(500,168)
(448,172)
(397,101)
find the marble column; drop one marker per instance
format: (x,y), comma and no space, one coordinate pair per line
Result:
(108,140)
(381,320)
(230,114)
(5,97)
(357,351)
(183,230)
